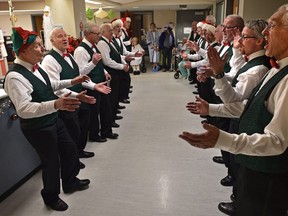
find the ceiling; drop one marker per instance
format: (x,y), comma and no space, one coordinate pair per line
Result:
(142,5)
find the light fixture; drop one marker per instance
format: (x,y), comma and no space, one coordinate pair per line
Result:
(101,13)
(93,2)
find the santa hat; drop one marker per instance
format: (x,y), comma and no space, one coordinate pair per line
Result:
(210,28)
(116,22)
(126,19)
(200,24)
(22,38)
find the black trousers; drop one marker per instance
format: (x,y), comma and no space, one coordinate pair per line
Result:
(125,86)
(77,124)
(166,58)
(57,152)
(115,91)
(100,115)
(262,194)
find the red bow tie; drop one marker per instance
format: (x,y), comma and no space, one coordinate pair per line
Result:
(65,55)
(274,63)
(93,46)
(35,67)
(246,58)
(226,43)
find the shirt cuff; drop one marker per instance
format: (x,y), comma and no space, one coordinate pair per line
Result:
(213,109)
(225,141)
(50,106)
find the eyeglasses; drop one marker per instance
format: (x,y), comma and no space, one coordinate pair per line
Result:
(95,33)
(243,37)
(228,27)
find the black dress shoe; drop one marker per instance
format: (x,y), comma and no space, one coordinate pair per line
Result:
(195,92)
(218,159)
(130,86)
(85,154)
(110,136)
(227,208)
(121,107)
(125,101)
(118,111)
(115,125)
(130,91)
(233,198)
(98,139)
(78,186)
(118,117)
(193,82)
(81,165)
(227,181)
(58,205)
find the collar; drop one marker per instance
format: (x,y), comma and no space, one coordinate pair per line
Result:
(282,63)
(256,54)
(59,51)
(106,39)
(88,43)
(25,64)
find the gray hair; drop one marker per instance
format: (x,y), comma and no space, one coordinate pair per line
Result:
(237,20)
(52,32)
(284,9)
(88,28)
(104,27)
(211,19)
(257,26)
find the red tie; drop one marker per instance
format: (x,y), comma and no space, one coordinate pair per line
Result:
(35,67)
(93,46)
(274,63)
(226,43)
(246,58)
(65,55)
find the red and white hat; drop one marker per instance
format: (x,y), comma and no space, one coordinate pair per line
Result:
(116,22)
(126,19)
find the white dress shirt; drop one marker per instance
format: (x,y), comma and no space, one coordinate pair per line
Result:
(247,81)
(20,89)
(274,139)
(53,69)
(105,52)
(82,58)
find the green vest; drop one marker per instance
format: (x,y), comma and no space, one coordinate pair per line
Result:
(127,38)
(119,48)
(254,119)
(114,55)
(97,74)
(41,92)
(261,60)
(67,71)
(227,66)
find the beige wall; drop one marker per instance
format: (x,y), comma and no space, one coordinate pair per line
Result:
(162,18)
(257,9)
(22,20)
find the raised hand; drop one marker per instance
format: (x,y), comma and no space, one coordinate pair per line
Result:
(216,62)
(101,87)
(80,79)
(86,98)
(198,107)
(204,140)
(67,103)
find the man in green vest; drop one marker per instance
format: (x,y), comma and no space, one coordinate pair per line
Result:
(32,94)
(89,60)
(59,65)
(250,44)
(261,143)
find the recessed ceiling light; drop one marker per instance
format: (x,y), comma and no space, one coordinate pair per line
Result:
(93,2)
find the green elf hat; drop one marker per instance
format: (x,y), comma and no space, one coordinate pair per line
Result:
(22,38)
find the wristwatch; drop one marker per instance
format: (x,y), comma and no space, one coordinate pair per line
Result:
(220,75)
